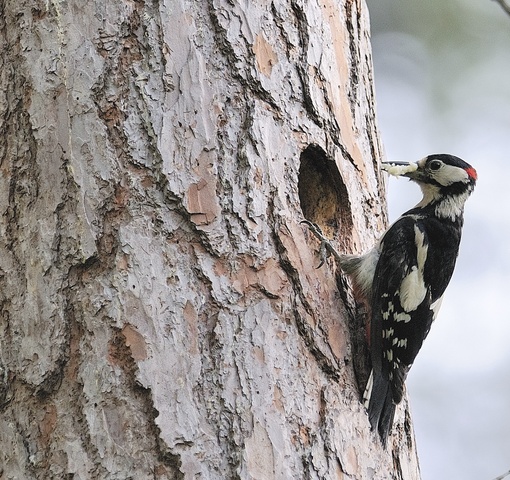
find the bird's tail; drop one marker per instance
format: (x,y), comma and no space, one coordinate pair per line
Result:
(378,400)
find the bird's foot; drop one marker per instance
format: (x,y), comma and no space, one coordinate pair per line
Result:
(325,249)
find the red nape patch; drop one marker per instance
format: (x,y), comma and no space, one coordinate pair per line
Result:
(472,173)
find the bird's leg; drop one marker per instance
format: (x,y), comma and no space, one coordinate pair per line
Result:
(325,249)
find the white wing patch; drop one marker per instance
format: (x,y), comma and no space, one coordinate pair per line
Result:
(368,390)
(388,333)
(413,289)
(435,306)
(402,317)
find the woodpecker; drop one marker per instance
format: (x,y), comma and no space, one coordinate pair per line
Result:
(404,276)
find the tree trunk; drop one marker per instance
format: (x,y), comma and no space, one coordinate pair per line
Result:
(161,313)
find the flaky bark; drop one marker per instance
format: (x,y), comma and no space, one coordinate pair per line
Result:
(161,316)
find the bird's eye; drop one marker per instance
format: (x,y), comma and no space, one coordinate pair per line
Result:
(435,164)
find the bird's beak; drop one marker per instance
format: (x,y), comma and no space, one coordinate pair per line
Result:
(402,169)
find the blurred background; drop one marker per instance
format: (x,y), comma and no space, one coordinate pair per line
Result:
(442,76)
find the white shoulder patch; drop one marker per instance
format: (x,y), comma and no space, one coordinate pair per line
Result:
(412,289)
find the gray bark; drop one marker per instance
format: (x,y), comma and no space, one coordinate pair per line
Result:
(161,314)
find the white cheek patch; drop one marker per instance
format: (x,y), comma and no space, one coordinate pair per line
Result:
(450,174)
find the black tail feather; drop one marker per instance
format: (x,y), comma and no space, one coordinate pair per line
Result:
(381,408)
(386,419)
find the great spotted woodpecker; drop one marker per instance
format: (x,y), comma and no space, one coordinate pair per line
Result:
(405,275)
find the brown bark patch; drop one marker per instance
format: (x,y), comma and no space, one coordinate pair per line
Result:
(47,425)
(265,55)
(136,343)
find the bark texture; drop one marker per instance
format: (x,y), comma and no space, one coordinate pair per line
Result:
(161,314)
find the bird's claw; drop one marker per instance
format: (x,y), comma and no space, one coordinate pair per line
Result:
(325,249)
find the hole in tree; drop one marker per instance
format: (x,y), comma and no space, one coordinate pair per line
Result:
(325,201)
(322,193)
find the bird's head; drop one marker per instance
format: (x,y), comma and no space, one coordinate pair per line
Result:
(442,178)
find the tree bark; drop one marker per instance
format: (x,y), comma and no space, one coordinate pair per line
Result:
(161,313)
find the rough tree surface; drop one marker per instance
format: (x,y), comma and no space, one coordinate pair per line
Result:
(161,314)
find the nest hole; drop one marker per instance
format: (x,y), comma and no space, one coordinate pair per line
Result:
(322,193)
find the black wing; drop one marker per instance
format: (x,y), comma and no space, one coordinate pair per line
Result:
(401,316)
